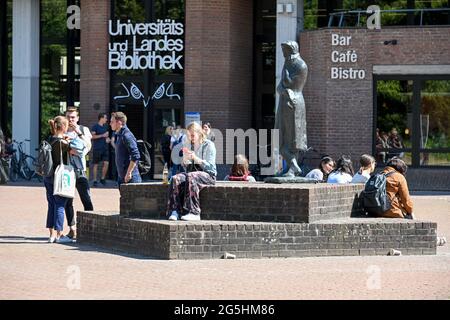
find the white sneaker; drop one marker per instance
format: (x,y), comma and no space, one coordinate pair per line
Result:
(51,239)
(191,217)
(63,239)
(174,216)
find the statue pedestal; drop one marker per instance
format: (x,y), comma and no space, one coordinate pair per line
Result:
(281,180)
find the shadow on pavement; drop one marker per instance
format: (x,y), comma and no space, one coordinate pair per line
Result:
(91,248)
(22,240)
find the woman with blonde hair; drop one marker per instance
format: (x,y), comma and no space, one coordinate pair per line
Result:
(199,161)
(55,211)
(239,170)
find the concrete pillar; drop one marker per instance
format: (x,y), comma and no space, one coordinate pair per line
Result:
(25,73)
(289,24)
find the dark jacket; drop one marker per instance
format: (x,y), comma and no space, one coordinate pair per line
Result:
(126,151)
(57,144)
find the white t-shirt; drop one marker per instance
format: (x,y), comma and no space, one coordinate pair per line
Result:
(315,174)
(361,178)
(339,177)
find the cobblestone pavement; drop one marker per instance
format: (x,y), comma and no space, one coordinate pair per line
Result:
(30,268)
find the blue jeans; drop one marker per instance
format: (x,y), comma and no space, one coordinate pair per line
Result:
(55,211)
(135,178)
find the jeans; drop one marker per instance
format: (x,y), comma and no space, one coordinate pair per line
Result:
(55,211)
(82,185)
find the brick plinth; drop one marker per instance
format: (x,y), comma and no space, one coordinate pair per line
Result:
(211,239)
(251,202)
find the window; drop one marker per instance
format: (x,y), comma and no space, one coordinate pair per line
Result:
(412,120)
(59,60)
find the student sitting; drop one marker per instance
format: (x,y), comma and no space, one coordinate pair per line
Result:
(367,167)
(397,190)
(325,167)
(239,171)
(343,172)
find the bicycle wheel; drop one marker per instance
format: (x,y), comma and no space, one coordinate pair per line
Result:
(13,172)
(25,170)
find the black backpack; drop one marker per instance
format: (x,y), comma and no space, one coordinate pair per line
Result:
(43,165)
(375,199)
(145,162)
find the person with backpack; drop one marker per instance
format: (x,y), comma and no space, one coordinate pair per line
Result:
(397,190)
(126,150)
(59,143)
(199,160)
(78,161)
(239,170)
(367,167)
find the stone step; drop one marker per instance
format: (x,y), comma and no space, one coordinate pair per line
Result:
(208,239)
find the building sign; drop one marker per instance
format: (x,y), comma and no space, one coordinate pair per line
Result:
(346,56)
(151,45)
(191,117)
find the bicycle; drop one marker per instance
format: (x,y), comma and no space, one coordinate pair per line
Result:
(19,164)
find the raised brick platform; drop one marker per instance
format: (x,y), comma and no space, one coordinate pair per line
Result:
(211,239)
(240,201)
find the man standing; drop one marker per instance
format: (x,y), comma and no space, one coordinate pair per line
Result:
(100,147)
(79,164)
(127,152)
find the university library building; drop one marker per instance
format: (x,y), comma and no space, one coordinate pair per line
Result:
(378,72)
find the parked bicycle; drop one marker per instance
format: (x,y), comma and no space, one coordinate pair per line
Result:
(19,165)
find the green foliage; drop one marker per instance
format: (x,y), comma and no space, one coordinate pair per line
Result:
(54,19)
(50,98)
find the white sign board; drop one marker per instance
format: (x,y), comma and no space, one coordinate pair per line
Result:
(191,117)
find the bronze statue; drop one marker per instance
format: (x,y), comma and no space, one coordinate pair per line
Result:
(290,116)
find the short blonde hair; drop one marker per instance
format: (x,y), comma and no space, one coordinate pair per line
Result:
(197,128)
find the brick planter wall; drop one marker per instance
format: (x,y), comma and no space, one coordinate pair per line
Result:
(211,239)
(251,202)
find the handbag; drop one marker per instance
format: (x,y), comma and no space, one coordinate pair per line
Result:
(64,180)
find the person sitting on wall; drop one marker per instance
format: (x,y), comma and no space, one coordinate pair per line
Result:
(343,172)
(367,167)
(239,170)
(397,190)
(199,161)
(326,165)
(207,130)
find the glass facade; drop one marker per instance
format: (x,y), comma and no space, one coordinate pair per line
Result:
(412,117)
(6,66)
(152,98)
(59,61)
(265,64)
(403,12)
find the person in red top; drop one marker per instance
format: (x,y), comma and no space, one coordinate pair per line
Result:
(397,190)
(239,171)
